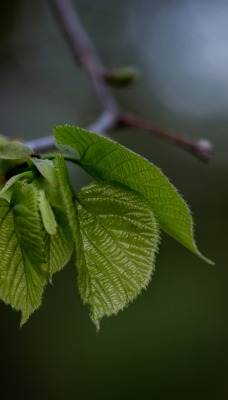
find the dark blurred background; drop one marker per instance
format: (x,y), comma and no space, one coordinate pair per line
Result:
(171,343)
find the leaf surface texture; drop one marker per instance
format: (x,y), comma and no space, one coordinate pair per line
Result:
(116,248)
(108,161)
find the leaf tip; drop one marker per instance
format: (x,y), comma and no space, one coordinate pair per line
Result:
(199,254)
(207,260)
(96,322)
(24,319)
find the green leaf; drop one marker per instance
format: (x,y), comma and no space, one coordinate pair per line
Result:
(28,225)
(46,169)
(32,248)
(6,190)
(22,274)
(12,154)
(47,214)
(116,247)
(59,247)
(66,193)
(108,161)
(58,211)
(13,150)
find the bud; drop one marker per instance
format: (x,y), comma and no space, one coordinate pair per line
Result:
(121,77)
(203,149)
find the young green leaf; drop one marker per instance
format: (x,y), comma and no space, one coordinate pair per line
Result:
(117,243)
(66,193)
(22,275)
(6,190)
(46,170)
(47,214)
(54,185)
(28,225)
(59,247)
(12,154)
(35,242)
(108,161)
(13,150)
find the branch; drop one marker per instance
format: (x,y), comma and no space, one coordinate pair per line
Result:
(103,124)
(200,148)
(84,52)
(111,117)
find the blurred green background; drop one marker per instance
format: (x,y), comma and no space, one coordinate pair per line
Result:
(171,343)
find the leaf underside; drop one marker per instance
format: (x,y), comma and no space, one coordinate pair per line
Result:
(107,160)
(116,247)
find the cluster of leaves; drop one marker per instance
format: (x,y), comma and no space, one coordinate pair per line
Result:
(112,225)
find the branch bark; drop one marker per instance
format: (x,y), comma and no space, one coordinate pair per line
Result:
(111,116)
(84,52)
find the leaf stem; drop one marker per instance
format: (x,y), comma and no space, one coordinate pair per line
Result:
(200,148)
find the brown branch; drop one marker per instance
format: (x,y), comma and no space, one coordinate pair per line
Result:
(41,145)
(103,124)
(200,148)
(111,116)
(84,52)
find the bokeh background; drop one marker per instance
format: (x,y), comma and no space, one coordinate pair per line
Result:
(171,343)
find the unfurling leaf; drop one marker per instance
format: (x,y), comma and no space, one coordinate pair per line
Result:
(116,247)
(59,245)
(47,214)
(107,161)
(66,193)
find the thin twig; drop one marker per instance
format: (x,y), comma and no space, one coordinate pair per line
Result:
(102,125)
(200,148)
(111,117)
(42,145)
(84,52)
